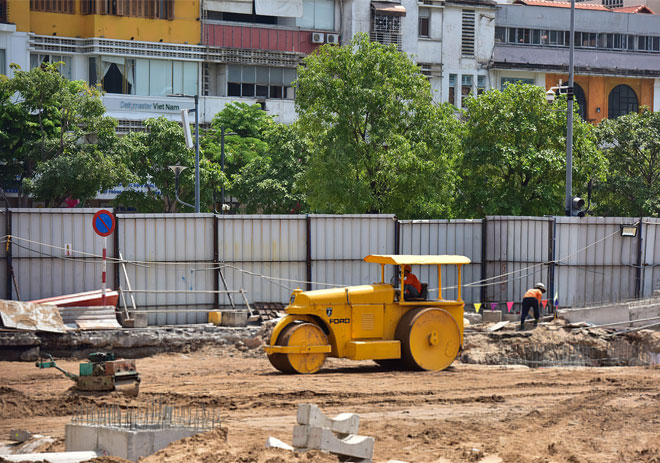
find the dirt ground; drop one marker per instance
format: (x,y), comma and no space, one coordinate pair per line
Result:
(468,413)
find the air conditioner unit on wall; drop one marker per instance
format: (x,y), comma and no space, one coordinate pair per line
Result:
(318,37)
(333,39)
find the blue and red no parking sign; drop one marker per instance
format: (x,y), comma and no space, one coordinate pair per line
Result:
(103,223)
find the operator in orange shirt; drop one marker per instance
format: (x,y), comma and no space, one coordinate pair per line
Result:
(532,298)
(411,284)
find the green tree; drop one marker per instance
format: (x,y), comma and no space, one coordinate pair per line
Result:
(56,141)
(377,141)
(149,155)
(263,159)
(514,154)
(269,183)
(632,188)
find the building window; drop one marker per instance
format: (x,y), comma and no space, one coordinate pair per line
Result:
(452,89)
(145,77)
(500,34)
(53,6)
(385,29)
(467,34)
(466,88)
(260,81)
(481,84)
(622,100)
(425,69)
(3,11)
(3,59)
(317,14)
(154,9)
(514,80)
(613,3)
(424,23)
(65,69)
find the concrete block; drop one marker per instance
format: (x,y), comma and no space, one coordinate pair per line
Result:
(122,443)
(344,423)
(311,437)
(79,438)
(596,315)
(19,435)
(488,316)
(234,318)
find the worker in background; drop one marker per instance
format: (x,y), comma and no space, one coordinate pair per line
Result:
(532,298)
(411,284)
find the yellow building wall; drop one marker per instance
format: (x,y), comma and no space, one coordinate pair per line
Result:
(597,90)
(184,28)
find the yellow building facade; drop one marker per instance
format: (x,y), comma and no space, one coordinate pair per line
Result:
(167,21)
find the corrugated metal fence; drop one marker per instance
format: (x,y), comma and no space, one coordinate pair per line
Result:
(175,263)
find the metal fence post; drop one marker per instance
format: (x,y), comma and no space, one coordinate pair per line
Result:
(484,261)
(216,263)
(638,270)
(308,258)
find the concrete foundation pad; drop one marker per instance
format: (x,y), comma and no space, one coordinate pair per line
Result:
(123,443)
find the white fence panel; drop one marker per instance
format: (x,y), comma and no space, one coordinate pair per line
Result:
(169,252)
(42,269)
(437,237)
(595,263)
(263,254)
(516,250)
(651,252)
(339,243)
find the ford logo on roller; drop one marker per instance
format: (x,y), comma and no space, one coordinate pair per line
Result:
(328,311)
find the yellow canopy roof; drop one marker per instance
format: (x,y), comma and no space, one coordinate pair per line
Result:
(416,260)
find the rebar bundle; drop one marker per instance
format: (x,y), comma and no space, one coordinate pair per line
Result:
(156,415)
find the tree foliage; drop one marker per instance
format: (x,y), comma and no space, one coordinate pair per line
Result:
(149,155)
(514,154)
(632,188)
(263,159)
(268,184)
(56,141)
(377,142)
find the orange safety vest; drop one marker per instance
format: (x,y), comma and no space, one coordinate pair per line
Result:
(534,293)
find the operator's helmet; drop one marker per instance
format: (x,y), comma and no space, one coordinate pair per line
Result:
(540,286)
(407,268)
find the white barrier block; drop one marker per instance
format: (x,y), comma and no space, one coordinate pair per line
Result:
(311,437)
(344,423)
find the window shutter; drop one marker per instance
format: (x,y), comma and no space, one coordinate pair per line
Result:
(467,37)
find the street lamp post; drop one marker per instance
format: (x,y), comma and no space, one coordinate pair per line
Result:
(222,168)
(196,111)
(569,118)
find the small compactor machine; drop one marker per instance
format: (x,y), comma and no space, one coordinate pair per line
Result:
(102,372)
(374,321)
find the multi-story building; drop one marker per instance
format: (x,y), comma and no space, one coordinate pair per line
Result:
(616,58)
(452,40)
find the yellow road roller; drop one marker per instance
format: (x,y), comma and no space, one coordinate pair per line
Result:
(372,322)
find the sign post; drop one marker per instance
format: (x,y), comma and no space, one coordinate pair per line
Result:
(103,223)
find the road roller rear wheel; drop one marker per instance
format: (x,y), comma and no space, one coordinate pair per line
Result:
(430,339)
(300,334)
